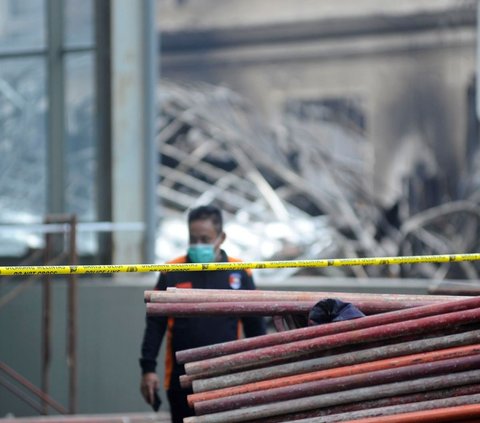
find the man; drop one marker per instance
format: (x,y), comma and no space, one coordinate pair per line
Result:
(206,235)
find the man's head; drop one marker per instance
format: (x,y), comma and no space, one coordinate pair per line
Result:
(205,228)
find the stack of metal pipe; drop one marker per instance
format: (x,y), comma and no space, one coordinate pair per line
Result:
(411,358)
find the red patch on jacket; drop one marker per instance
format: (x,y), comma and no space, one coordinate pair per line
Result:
(184,285)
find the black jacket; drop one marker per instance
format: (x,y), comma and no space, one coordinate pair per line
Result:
(192,332)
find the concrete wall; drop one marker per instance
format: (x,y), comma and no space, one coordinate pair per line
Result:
(191,14)
(410,64)
(110,327)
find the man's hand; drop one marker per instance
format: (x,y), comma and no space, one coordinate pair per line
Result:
(148,385)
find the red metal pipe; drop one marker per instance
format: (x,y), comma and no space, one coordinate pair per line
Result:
(279,323)
(215,295)
(336,384)
(262,356)
(96,418)
(228,308)
(231,347)
(222,295)
(396,410)
(20,394)
(254,413)
(46,323)
(72,293)
(44,397)
(264,308)
(440,415)
(399,400)
(330,361)
(337,351)
(337,372)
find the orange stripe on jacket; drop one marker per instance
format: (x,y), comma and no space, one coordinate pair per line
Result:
(169,359)
(249,273)
(169,354)
(237,260)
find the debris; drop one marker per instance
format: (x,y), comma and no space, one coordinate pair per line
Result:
(288,192)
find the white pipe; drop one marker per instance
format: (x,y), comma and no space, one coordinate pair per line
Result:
(81,227)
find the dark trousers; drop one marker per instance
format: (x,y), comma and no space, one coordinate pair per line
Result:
(179,408)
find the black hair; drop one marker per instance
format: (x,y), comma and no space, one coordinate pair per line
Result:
(207,212)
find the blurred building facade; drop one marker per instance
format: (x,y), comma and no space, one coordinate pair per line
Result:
(406,67)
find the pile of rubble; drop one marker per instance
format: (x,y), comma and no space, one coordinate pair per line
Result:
(287,194)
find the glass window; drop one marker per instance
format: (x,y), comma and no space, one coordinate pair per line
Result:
(81,156)
(24,113)
(22,25)
(23,147)
(79,23)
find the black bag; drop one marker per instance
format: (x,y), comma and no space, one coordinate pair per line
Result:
(332,310)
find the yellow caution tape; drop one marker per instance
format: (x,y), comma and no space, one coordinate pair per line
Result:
(194,267)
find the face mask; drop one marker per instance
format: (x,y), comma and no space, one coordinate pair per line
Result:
(201,253)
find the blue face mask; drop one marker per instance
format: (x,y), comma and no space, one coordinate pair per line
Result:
(201,253)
